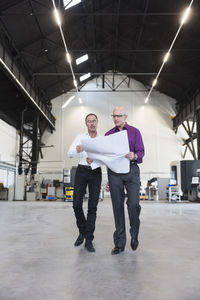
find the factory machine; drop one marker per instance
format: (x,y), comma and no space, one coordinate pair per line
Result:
(68,183)
(186,175)
(194,192)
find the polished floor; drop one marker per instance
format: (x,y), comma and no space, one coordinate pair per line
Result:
(38,260)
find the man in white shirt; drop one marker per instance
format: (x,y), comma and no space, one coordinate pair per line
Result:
(85,175)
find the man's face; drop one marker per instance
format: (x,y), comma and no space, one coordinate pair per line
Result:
(119,117)
(91,123)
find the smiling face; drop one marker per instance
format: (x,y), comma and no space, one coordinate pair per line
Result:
(91,123)
(119,117)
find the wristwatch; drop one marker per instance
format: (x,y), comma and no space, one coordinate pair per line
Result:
(135,157)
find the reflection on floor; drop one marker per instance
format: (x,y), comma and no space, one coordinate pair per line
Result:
(38,260)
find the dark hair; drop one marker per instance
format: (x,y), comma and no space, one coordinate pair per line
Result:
(90,114)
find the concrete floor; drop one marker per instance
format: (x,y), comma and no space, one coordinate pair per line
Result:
(38,260)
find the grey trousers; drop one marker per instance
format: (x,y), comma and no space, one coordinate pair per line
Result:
(117,183)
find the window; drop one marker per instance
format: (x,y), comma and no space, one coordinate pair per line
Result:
(81,59)
(70,3)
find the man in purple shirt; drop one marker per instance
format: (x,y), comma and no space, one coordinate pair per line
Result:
(130,181)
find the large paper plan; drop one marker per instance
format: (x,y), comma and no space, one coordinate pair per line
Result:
(109,150)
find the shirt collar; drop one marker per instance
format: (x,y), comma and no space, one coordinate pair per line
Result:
(87,133)
(124,128)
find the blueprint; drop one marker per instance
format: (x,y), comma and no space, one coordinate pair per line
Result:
(110,151)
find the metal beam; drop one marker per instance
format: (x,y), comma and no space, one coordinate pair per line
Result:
(132,65)
(94,34)
(20,167)
(11,71)
(35,143)
(187,113)
(96,74)
(111,90)
(189,141)
(30,141)
(116,38)
(118,50)
(198,132)
(102,14)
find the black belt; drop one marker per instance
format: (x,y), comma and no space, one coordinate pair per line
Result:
(85,167)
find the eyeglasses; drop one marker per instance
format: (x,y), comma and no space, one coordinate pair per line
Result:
(117,116)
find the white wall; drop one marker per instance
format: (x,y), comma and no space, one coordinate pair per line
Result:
(8,148)
(9,143)
(154,121)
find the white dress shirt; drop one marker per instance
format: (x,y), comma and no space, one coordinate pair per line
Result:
(82,155)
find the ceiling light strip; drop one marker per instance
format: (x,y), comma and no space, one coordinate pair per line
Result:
(66,49)
(185,15)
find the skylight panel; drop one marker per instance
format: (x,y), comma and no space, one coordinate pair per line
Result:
(85,76)
(70,3)
(81,59)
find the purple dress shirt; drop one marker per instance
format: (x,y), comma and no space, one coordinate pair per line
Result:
(134,138)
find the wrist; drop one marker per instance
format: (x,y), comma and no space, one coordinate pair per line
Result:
(135,157)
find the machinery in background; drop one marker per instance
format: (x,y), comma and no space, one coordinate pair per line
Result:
(27,187)
(152,189)
(174,193)
(68,183)
(156,188)
(3,192)
(51,189)
(194,192)
(68,186)
(182,173)
(20,187)
(33,188)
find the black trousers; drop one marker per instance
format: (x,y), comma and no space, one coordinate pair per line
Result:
(117,183)
(86,176)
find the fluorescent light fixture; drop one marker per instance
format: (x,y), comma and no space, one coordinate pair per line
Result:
(166,57)
(80,100)
(154,82)
(85,76)
(81,59)
(185,15)
(70,3)
(57,16)
(68,101)
(68,58)
(75,83)
(146,100)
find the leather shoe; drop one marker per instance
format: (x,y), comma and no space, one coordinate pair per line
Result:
(89,246)
(134,244)
(117,250)
(79,240)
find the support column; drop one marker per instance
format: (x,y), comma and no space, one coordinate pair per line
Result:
(35,144)
(20,167)
(198,132)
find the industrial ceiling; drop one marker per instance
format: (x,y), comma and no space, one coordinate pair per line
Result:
(129,37)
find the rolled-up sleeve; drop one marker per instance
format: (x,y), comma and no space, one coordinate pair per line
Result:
(72,149)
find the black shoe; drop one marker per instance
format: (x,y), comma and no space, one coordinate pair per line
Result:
(134,244)
(79,240)
(89,246)
(117,250)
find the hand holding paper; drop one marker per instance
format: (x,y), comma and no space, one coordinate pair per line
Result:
(109,150)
